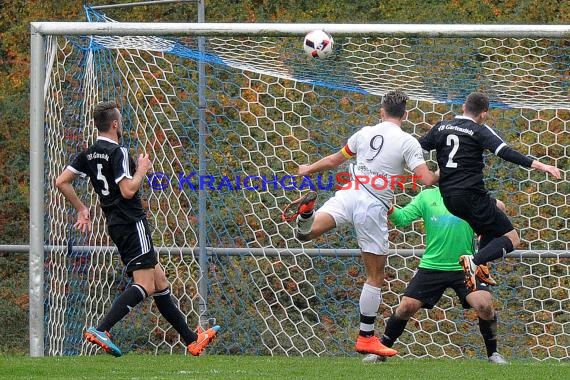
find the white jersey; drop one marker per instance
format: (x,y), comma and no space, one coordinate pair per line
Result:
(382,151)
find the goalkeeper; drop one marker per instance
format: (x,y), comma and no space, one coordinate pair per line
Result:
(447,238)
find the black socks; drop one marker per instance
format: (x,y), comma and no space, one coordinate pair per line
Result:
(173,315)
(394,329)
(495,249)
(130,298)
(489,332)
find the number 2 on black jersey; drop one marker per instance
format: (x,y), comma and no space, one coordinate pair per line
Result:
(453,141)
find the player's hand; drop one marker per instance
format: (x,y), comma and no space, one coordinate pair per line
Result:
(303,170)
(83,223)
(144,163)
(553,170)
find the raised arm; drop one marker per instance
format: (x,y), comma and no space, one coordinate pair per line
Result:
(553,170)
(329,162)
(496,145)
(129,186)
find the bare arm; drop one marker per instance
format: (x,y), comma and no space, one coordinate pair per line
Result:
(129,186)
(553,170)
(64,185)
(426,176)
(329,162)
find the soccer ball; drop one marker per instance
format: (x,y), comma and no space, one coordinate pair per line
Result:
(318,44)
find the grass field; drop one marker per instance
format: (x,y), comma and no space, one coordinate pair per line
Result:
(272,368)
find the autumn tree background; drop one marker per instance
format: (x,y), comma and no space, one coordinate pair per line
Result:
(15,16)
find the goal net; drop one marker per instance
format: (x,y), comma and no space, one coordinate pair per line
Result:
(226,118)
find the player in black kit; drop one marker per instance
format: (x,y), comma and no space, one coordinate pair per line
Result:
(116,181)
(459,146)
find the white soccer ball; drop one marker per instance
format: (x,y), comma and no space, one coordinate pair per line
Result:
(318,44)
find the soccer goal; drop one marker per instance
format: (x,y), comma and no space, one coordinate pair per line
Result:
(225,111)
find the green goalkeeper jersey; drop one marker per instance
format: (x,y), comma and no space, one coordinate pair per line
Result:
(447,236)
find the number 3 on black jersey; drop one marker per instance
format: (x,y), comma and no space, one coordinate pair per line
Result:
(453,142)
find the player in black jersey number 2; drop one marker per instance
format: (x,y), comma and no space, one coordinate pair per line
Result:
(116,181)
(459,144)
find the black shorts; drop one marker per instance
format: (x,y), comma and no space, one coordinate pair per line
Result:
(480,211)
(428,285)
(134,244)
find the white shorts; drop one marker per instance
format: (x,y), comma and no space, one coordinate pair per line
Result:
(366,213)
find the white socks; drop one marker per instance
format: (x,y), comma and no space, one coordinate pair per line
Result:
(370,300)
(304,224)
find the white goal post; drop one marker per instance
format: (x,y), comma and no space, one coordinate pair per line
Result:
(242,99)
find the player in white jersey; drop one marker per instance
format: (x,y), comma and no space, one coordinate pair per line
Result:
(381,151)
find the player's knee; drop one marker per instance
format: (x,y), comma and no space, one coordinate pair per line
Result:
(486,312)
(405,310)
(514,237)
(516,241)
(147,287)
(160,280)
(146,283)
(484,309)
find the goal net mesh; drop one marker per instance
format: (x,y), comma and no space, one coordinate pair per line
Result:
(266,106)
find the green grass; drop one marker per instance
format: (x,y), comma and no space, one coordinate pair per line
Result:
(134,366)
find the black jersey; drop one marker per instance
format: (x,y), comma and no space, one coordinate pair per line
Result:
(106,163)
(459,145)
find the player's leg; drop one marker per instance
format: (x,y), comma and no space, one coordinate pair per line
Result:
(302,211)
(305,204)
(488,238)
(484,240)
(481,301)
(395,326)
(496,247)
(424,290)
(486,218)
(371,294)
(369,218)
(311,224)
(131,297)
(484,215)
(483,271)
(489,249)
(138,256)
(194,341)
(370,300)
(397,322)
(319,223)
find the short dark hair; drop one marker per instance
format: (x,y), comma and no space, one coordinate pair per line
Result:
(394,103)
(476,103)
(104,114)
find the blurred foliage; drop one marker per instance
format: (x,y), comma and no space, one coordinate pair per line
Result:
(14,303)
